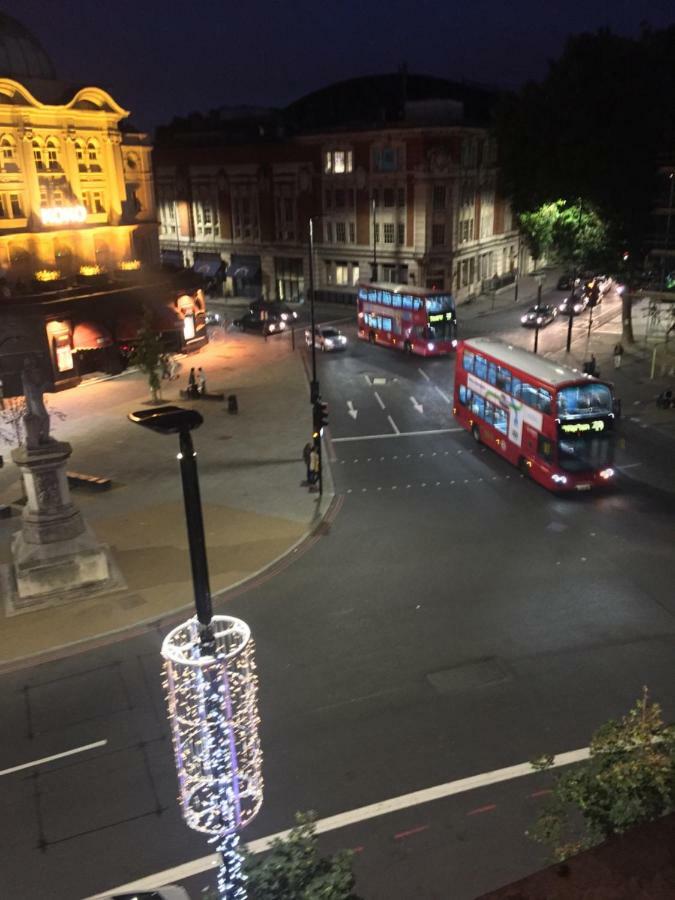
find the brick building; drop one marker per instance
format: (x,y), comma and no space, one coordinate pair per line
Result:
(398,172)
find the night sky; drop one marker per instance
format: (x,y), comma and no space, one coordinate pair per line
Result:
(160,58)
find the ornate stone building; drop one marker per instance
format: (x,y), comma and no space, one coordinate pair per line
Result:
(398,171)
(76,183)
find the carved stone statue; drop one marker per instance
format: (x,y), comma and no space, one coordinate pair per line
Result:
(36,419)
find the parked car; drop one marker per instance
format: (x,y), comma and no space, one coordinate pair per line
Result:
(573,305)
(213,318)
(285,312)
(272,323)
(326,338)
(539,316)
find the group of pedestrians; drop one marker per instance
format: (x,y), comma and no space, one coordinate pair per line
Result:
(196,383)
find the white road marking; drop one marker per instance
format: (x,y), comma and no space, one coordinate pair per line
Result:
(350,409)
(393,425)
(46,759)
(379,400)
(367,377)
(443,394)
(376,437)
(628,466)
(424,374)
(343,820)
(418,406)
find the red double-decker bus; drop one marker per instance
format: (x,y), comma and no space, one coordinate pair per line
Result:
(408,318)
(553,422)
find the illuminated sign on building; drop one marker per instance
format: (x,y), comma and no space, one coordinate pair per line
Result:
(577,427)
(63,215)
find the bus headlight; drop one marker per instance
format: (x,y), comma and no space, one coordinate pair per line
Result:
(559,479)
(607,474)
(431,347)
(454,343)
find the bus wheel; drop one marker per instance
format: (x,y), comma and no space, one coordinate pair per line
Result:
(408,347)
(476,434)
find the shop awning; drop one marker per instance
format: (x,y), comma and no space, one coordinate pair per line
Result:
(207,264)
(91,336)
(172,258)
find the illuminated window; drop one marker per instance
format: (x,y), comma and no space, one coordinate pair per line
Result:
(341,273)
(7,150)
(355,273)
(340,232)
(80,156)
(52,154)
(337,162)
(389,232)
(38,156)
(437,234)
(93,201)
(205,211)
(15,206)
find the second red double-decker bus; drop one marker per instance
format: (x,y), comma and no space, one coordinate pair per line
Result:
(409,318)
(553,422)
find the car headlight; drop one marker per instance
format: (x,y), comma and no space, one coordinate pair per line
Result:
(523,319)
(562,306)
(328,342)
(343,339)
(282,325)
(295,315)
(284,316)
(559,479)
(607,473)
(271,326)
(578,307)
(431,346)
(539,320)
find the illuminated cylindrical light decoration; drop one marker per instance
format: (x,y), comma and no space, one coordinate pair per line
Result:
(213,710)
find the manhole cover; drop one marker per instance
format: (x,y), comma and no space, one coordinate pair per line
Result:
(469,675)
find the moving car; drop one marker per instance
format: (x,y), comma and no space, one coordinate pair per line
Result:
(573,305)
(213,318)
(255,321)
(326,338)
(539,316)
(276,308)
(565,282)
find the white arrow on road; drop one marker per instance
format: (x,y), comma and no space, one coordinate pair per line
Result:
(418,406)
(350,409)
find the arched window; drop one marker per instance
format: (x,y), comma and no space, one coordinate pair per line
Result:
(7,150)
(38,155)
(93,155)
(80,155)
(132,161)
(52,147)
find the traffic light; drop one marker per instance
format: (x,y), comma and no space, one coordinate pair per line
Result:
(320,417)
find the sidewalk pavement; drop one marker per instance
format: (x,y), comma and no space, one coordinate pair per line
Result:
(251,469)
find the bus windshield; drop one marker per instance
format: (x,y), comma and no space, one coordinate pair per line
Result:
(585,452)
(443,330)
(587,398)
(440,303)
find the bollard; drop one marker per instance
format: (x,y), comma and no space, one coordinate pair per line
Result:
(232,404)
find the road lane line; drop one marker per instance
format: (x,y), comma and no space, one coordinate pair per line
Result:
(393,425)
(376,437)
(342,820)
(482,809)
(46,759)
(379,400)
(424,374)
(443,394)
(404,834)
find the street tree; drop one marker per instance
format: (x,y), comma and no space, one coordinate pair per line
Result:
(148,353)
(579,235)
(628,779)
(292,869)
(537,227)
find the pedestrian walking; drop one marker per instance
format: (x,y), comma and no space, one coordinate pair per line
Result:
(192,383)
(618,353)
(313,468)
(201,381)
(174,368)
(307,455)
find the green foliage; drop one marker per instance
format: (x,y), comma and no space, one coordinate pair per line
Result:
(538,227)
(573,234)
(148,352)
(293,870)
(594,128)
(628,779)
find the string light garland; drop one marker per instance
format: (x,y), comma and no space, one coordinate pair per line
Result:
(212,698)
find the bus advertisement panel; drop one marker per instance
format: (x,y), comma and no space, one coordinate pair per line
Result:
(553,422)
(408,318)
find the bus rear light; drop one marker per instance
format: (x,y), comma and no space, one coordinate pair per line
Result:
(559,479)
(454,410)
(607,473)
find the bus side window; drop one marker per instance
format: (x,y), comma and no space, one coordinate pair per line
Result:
(545,448)
(544,401)
(492,373)
(517,388)
(478,406)
(503,379)
(501,420)
(464,394)
(468,361)
(489,413)
(480,367)
(530,395)
(396,301)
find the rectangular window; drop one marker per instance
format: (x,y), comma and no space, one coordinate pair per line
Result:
(389,197)
(437,234)
(516,388)
(503,379)
(468,361)
(339,162)
(529,395)
(329,232)
(400,197)
(341,273)
(352,233)
(340,232)
(355,273)
(339,199)
(500,420)
(328,163)
(478,406)
(389,232)
(472,270)
(439,196)
(492,373)
(385,159)
(99,206)
(545,448)
(400,233)
(480,368)
(15,203)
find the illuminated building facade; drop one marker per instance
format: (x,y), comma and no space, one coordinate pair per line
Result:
(399,172)
(75,180)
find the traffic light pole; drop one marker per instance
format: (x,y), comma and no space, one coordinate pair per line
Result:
(314,386)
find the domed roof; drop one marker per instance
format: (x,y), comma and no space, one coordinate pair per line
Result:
(21,54)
